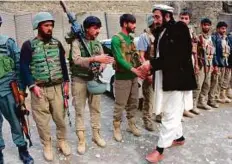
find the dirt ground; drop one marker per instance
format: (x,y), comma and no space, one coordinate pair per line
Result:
(207,141)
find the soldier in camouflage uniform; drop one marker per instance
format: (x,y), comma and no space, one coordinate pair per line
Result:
(82,73)
(44,71)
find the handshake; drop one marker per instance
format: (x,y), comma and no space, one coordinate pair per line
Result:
(142,71)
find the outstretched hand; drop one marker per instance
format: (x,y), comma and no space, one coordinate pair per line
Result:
(103,58)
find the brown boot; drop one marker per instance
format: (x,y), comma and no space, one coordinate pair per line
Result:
(203,105)
(195,111)
(229,93)
(188,114)
(213,104)
(64,147)
(227,100)
(132,127)
(47,151)
(97,138)
(81,142)
(223,98)
(117,131)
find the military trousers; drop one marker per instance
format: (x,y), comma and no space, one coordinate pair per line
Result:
(148,93)
(8,110)
(224,77)
(50,105)
(200,77)
(126,98)
(205,88)
(80,96)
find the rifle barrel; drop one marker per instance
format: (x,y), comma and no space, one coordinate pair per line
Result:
(63,5)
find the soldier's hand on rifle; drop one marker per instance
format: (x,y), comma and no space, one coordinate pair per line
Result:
(37,91)
(103,58)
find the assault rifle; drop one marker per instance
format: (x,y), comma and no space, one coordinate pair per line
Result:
(66,106)
(21,111)
(79,34)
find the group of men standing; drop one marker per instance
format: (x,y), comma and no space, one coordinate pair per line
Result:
(171,59)
(192,72)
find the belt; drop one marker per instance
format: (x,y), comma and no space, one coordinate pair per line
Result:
(48,84)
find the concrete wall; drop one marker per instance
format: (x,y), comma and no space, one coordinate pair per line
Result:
(19,14)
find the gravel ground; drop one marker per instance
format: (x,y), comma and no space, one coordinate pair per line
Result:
(207,141)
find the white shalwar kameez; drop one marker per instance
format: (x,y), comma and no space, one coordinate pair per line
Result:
(172,105)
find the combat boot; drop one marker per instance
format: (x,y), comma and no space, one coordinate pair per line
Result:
(132,127)
(24,155)
(63,146)
(1,157)
(229,93)
(188,114)
(195,110)
(47,151)
(117,131)
(81,142)
(224,97)
(203,105)
(97,138)
(213,104)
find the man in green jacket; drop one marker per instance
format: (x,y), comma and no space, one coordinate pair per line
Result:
(126,82)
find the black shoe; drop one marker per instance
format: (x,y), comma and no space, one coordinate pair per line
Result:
(1,157)
(24,155)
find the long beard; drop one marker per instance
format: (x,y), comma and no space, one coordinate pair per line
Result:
(44,36)
(158,30)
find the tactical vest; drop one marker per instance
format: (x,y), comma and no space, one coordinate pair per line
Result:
(6,62)
(129,53)
(94,48)
(45,65)
(151,47)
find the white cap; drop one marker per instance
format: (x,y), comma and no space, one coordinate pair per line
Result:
(163,7)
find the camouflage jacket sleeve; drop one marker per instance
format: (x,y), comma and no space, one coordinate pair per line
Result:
(15,53)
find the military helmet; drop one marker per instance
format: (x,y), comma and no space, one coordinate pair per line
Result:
(92,21)
(41,17)
(96,87)
(150,20)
